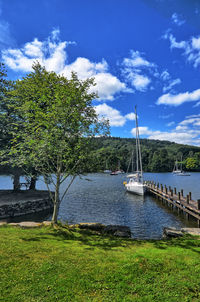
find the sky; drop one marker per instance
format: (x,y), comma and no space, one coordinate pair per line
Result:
(140,52)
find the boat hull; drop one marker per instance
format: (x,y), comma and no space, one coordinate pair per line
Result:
(136,188)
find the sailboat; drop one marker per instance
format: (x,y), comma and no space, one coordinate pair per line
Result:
(179,171)
(107,171)
(136,182)
(176,170)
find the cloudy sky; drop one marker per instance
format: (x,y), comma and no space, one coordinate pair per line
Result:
(140,52)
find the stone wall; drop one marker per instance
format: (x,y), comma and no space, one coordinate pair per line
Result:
(25,207)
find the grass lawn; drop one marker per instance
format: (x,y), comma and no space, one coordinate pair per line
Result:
(47,264)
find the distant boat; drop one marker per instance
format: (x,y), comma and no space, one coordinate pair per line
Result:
(117,172)
(179,171)
(107,171)
(136,183)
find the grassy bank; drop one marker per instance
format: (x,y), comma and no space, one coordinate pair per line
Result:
(45,264)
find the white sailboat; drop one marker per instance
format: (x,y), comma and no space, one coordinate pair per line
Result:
(179,171)
(176,170)
(107,171)
(136,182)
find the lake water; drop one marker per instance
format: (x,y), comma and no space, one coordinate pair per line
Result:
(102,198)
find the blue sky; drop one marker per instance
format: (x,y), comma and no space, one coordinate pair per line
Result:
(140,52)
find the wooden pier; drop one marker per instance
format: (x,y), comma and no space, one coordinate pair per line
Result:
(176,199)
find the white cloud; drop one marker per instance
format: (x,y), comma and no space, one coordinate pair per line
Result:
(6,38)
(186,132)
(107,84)
(196,43)
(138,71)
(51,53)
(114,116)
(178,99)
(130,116)
(191,48)
(176,19)
(170,124)
(136,60)
(192,121)
(171,84)
(165,75)
(166,116)
(139,81)
(178,135)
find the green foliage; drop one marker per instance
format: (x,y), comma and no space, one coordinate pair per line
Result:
(62,264)
(157,156)
(56,121)
(6,113)
(191,163)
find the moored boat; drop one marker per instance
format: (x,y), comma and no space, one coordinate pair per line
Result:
(136,182)
(179,171)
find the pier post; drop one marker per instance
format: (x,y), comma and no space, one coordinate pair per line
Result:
(175,191)
(182,192)
(198,204)
(190,195)
(161,188)
(171,193)
(179,196)
(188,199)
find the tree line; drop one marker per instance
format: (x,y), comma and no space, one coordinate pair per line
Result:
(157,156)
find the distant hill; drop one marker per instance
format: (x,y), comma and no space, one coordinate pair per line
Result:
(115,152)
(157,156)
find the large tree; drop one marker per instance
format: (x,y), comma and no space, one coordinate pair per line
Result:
(7,120)
(57,123)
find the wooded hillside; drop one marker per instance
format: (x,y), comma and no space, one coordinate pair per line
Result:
(157,156)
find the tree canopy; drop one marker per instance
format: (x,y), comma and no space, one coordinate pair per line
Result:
(56,119)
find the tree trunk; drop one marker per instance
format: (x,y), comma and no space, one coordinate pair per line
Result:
(55,212)
(56,200)
(33,183)
(16,181)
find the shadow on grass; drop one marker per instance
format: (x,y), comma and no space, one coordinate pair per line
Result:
(92,240)
(88,238)
(186,242)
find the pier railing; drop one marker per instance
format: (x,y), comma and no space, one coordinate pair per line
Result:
(176,199)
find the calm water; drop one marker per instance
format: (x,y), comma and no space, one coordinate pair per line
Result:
(102,198)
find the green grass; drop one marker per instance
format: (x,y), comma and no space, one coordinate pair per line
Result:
(47,264)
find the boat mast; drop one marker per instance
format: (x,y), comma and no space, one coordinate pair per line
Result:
(136,141)
(138,149)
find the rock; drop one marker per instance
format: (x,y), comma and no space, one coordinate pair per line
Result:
(172,232)
(191,231)
(92,226)
(47,223)
(118,230)
(28,224)
(122,234)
